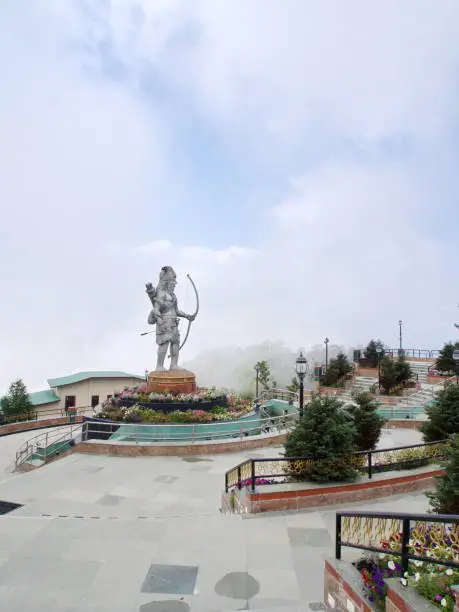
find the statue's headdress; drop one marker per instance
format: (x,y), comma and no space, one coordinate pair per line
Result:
(167,274)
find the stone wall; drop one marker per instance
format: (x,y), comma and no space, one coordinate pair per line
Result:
(211,448)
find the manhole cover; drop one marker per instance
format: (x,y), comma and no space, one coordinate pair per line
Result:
(6,507)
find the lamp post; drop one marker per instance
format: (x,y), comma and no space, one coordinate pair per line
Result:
(379,351)
(301,370)
(146,375)
(326,341)
(257,373)
(456,362)
(400,352)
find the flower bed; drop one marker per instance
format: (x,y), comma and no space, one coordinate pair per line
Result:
(204,406)
(432,581)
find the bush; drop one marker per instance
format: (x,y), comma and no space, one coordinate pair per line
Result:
(445,498)
(337,368)
(368,423)
(394,374)
(327,434)
(443,415)
(370,354)
(445,362)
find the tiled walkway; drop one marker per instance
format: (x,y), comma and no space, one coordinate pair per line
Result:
(99,534)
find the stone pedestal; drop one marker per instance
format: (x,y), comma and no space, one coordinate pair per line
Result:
(171,381)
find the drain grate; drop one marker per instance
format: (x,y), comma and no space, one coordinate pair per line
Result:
(6,507)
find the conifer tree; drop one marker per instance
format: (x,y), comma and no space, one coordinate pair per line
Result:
(442,415)
(367,421)
(444,499)
(326,433)
(17,401)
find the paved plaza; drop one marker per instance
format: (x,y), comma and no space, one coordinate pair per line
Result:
(99,533)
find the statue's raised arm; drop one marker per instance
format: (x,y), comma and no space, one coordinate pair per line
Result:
(165,314)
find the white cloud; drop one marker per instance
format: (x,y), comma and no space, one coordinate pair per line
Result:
(347,106)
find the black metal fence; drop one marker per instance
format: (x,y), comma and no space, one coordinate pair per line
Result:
(265,471)
(430,538)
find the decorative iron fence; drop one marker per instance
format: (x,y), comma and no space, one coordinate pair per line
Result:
(281,469)
(417,537)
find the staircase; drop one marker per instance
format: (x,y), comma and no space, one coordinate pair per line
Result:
(420,370)
(46,446)
(360,384)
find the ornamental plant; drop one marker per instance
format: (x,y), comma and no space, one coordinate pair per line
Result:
(326,433)
(432,581)
(368,423)
(444,499)
(442,415)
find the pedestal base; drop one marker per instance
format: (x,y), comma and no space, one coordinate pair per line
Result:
(171,381)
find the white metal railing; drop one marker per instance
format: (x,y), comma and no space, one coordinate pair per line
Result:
(170,432)
(43,441)
(281,394)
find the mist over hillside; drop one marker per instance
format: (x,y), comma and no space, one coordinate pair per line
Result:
(232,367)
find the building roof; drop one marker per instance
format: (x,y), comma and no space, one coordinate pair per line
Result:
(43,397)
(81,376)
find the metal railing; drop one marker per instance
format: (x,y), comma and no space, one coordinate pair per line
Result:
(38,415)
(139,433)
(48,445)
(266,471)
(281,394)
(411,352)
(412,537)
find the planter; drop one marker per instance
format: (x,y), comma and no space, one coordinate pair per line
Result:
(168,407)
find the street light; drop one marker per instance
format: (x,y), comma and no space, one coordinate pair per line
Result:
(456,361)
(257,371)
(301,370)
(400,352)
(326,341)
(379,351)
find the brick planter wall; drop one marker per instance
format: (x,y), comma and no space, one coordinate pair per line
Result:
(343,588)
(405,424)
(342,494)
(405,599)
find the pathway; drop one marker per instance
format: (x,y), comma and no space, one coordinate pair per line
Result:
(117,534)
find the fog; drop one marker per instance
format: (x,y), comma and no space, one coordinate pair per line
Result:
(232,367)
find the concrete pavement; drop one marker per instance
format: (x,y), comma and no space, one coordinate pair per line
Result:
(98,534)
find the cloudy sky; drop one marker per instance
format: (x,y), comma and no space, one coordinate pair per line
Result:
(297,158)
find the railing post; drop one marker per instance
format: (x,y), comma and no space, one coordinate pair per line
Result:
(405,545)
(239,484)
(226,482)
(370,466)
(252,470)
(338,536)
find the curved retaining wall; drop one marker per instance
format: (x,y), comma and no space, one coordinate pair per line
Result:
(126,449)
